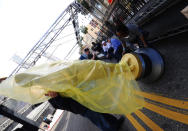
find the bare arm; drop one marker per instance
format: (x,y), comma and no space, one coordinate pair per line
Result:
(94,56)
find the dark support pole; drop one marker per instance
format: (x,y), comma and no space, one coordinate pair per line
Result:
(27,123)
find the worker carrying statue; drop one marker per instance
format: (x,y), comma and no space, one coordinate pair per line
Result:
(89,88)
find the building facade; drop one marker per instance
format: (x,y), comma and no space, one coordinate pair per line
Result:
(93,32)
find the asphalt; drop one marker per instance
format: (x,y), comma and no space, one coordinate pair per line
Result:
(73,122)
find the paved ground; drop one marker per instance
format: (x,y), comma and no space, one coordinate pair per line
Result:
(72,122)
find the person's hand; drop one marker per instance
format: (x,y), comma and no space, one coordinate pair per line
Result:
(51,94)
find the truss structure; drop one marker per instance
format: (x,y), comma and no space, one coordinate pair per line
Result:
(39,49)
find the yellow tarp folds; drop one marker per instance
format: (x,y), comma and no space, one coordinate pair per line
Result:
(100,86)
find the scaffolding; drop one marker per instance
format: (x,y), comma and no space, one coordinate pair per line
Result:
(39,49)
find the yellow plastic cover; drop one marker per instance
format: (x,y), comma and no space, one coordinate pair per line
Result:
(102,87)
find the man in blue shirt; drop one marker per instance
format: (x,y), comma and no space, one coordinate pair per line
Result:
(87,55)
(84,56)
(118,48)
(131,34)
